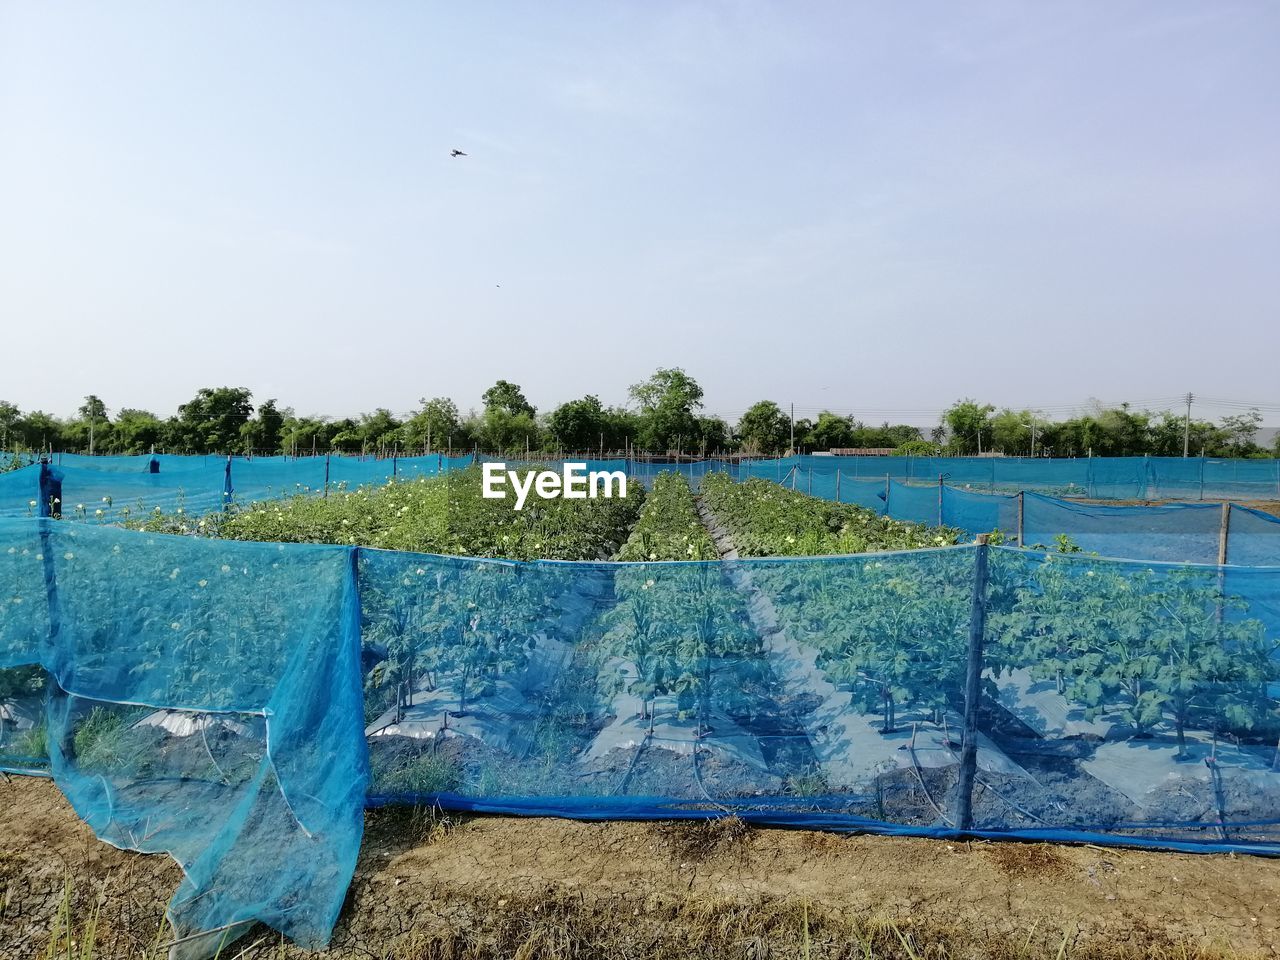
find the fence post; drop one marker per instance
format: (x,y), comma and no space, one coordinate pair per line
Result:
(50,505)
(888,488)
(1224,531)
(1020,515)
(226,485)
(939,499)
(1202,476)
(837,484)
(809,488)
(972,689)
(326,476)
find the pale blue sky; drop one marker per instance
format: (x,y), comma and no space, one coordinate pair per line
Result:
(876,208)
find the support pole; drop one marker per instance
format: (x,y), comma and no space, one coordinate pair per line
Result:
(1224,532)
(972,689)
(50,504)
(939,499)
(226,486)
(837,484)
(809,489)
(326,476)
(1020,517)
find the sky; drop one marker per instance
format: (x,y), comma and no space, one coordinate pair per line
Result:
(876,208)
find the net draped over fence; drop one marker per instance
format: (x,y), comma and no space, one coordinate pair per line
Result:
(237,704)
(203,700)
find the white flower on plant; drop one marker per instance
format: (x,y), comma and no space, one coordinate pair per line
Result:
(176,625)
(174,574)
(203,583)
(226,568)
(68,555)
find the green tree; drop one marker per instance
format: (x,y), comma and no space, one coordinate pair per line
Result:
(713,435)
(301,435)
(38,430)
(968,424)
(508,398)
(137,431)
(262,434)
(434,426)
(578,424)
(92,409)
(831,431)
(668,403)
(211,421)
(764,428)
(9,417)
(1241,433)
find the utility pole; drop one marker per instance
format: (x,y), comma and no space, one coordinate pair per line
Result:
(792,448)
(1032,425)
(1186,427)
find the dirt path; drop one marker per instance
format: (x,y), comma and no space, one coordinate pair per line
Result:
(501,887)
(719,533)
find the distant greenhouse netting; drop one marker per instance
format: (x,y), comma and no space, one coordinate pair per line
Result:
(236,704)
(112,489)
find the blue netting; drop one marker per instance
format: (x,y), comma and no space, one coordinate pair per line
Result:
(977,513)
(830,693)
(1183,532)
(918,504)
(205,697)
(203,701)
(111,489)
(1253,538)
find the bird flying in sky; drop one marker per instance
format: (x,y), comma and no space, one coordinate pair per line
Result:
(456,153)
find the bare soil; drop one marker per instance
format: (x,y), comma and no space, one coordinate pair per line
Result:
(500,887)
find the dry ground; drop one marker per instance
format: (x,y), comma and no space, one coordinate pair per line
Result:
(489,887)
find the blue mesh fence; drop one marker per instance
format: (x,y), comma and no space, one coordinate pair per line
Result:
(977,513)
(203,700)
(208,698)
(1186,532)
(1183,532)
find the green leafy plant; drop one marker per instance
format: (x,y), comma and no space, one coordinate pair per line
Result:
(1149,648)
(768,520)
(669,527)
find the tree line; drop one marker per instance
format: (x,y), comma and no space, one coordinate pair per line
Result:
(665,416)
